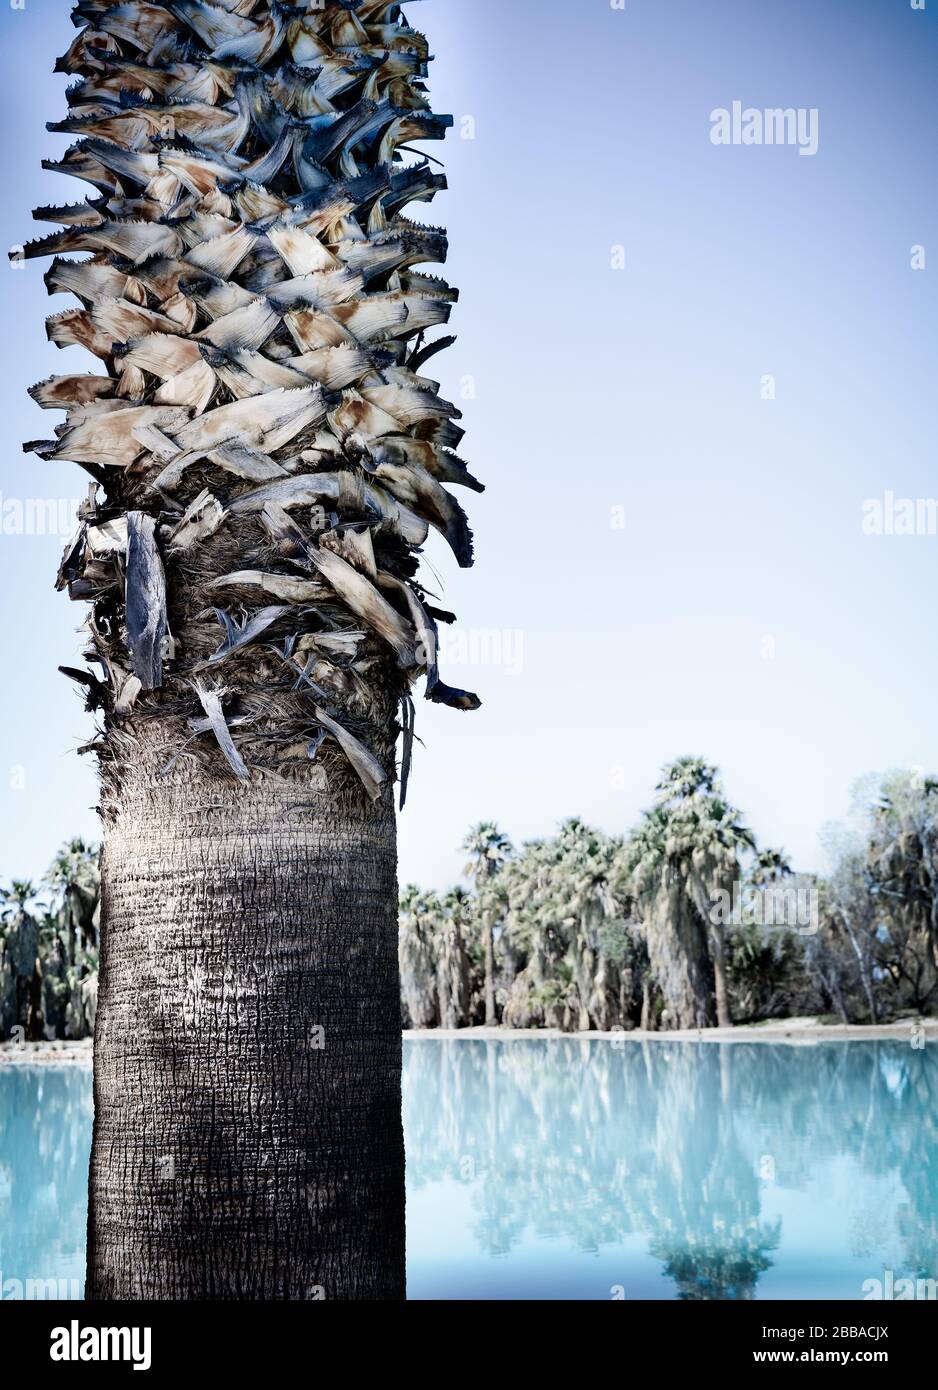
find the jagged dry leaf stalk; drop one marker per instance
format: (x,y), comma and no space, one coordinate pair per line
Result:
(259,429)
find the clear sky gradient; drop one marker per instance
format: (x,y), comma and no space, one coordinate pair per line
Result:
(738,611)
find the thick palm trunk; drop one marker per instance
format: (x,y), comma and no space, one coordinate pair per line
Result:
(247,1139)
(267,459)
(680,958)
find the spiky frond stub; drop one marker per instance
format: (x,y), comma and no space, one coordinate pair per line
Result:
(267,455)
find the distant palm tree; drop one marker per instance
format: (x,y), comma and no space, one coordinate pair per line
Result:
(74,877)
(453,971)
(769,866)
(583,882)
(419,917)
(17,898)
(534,941)
(684,852)
(20,973)
(434,961)
(488,849)
(903,853)
(561,916)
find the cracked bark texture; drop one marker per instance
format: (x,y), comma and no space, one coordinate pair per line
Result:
(247,1137)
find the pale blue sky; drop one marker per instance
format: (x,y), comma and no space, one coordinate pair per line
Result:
(598,388)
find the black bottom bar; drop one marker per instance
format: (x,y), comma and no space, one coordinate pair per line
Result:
(170,1339)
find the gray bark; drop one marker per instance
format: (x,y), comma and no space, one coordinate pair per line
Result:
(240,1152)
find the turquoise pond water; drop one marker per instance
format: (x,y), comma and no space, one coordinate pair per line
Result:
(591,1169)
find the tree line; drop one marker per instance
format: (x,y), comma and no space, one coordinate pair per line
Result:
(49,949)
(685,922)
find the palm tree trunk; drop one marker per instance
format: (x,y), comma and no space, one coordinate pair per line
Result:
(680,958)
(488,942)
(720,988)
(648,1018)
(247,1136)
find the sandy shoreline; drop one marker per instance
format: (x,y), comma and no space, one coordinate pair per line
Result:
(796,1031)
(805,1031)
(42,1053)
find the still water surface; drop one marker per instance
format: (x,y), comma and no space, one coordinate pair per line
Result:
(544,1168)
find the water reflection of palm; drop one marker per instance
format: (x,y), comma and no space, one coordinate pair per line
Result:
(45,1134)
(589,1142)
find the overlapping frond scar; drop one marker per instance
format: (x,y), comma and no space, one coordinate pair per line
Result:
(266,451)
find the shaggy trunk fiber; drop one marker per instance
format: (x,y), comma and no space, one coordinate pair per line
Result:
(247,1139)
(680,959)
